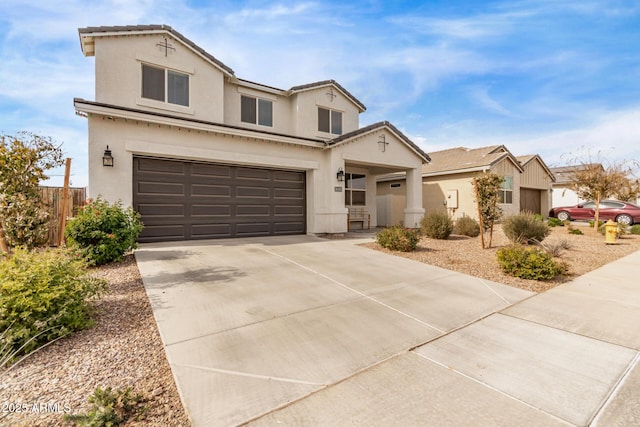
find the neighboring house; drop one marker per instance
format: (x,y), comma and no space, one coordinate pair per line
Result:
(562,194)
(201,153)
(448,182)
(535,185)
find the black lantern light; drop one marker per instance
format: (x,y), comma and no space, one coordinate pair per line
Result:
(107,158)
(340,175)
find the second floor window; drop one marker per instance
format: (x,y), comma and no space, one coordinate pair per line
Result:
(165,85)
(256,111)
(506,191)
(329,121)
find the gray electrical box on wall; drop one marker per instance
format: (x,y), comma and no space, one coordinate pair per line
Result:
(452,199)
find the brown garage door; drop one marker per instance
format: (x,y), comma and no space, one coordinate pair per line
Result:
(180,200)
(530,200)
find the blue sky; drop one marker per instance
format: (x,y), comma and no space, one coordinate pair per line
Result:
(555,78)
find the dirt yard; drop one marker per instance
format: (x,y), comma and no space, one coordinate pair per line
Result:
(465,254)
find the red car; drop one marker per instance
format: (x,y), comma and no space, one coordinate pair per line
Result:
(621,212)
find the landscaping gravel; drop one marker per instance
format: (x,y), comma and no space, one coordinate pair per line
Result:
(465,254)
(122,350)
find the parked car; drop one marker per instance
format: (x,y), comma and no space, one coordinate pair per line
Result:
(621,212)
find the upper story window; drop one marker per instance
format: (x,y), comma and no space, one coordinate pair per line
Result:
(506,191)
(165,85)
(329,121)
(256,111)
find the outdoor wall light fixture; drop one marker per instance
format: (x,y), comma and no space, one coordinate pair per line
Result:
(340,175)
(107,158)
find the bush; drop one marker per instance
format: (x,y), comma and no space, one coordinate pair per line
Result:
(437,225)
(635,229)
(111,408)
(398,238)
(555,222)
(467,226)
(43,295)
(102,232)
(576,231)
(555,247)
(524,228)
(529,263)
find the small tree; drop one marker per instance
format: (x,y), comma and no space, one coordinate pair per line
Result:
(24,159)
(593,181)
(487,190)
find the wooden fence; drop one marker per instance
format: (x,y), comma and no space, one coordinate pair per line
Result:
(52,197)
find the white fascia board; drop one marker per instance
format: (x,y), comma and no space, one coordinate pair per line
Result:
(188,124)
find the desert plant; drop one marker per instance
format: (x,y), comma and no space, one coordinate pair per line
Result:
(104,232)
(487,191)
(555,222)
(111,408)
(530,263)
(398,238)
(635,229)
(44,295)
(466,226)
(524,228)
(437,225)
(555,247)
(576,231)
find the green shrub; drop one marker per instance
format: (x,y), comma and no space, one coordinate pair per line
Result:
(437,225)
(635,229)
(555,222)
(538,217)
(111,408)
(102,232)
(524,228)
(467,226)
(576,231)
(398,238)
(529,263)
(592,221)
(555,247)
(43,295)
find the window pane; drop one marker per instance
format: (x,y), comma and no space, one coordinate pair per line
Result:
(507,184)
(357,181)
(178,88)
(248,109)
(358,198)
(508,196)
(347,198)
(265,112)
(323,120)
(336,122)
(152,83)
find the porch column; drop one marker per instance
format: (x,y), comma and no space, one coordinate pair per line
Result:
(414,211)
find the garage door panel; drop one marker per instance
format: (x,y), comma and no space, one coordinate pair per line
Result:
(158,188)
(161,167)
(242,191)
(210,210)
(182,200)
(211,231)
(161,210)
(206,170)
(210,190)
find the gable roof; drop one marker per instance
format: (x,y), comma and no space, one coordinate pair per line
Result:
(375,127)
(88,34)
(461,159)
(87,43)
(335,84)
(528,158)
(563,173)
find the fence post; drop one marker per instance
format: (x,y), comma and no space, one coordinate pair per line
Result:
(65,198)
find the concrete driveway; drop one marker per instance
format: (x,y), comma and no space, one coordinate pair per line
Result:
(300,330)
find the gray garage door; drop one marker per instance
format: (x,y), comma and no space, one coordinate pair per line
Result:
(180,200)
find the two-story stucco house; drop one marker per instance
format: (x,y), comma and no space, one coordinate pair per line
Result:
(201,153)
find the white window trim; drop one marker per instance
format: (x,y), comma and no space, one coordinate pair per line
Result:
(164,105)
(318,106)
(503,191)
(257,122)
